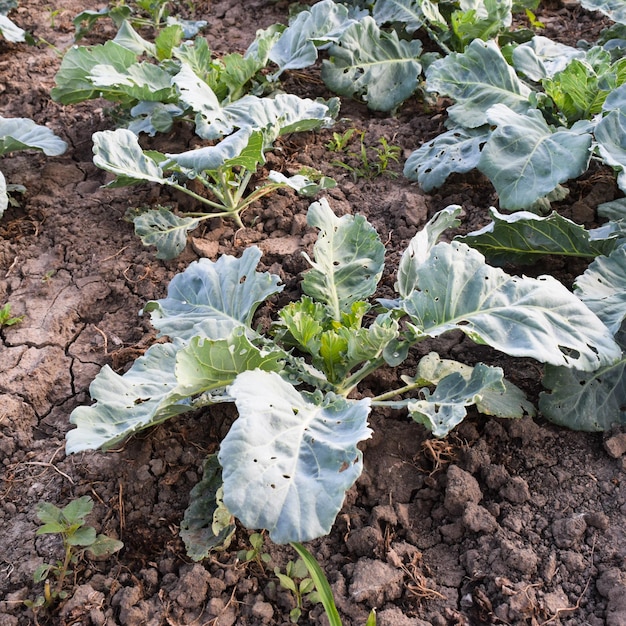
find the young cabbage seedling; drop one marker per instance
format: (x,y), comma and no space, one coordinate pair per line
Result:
(224,170)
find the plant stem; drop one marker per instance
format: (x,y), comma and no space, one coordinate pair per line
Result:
(354,379)
(196,196)
(397,392)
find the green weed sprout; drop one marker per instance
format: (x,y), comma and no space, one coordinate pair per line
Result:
(6,319)
(78,538)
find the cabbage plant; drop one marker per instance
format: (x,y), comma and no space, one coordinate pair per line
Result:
(224,170)
(529,121)
(292,453)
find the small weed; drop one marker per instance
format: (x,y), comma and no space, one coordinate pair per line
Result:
(255,553)
(340,141)
(296,579)
(78,538)
(53,15)
(323,592)
(373,161)
(6,319)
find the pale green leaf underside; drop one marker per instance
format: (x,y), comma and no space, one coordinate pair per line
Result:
(21,133)
(374,64)
(286,462)
(418,250)
(280,114)
(524,237)
(165,230)
(477,79)
(590,401)
(11,31)
(508,401)
(408,12)
(530,317)
(543,58)
(537,159)
(610,133)
(4,196)
(118,152)
(205,364)
(455,151)
(140,81)
(603,288)
(211,298)
(72,80)
(143,396)
(445,408)
(210,158)
(349,259)
(296,47)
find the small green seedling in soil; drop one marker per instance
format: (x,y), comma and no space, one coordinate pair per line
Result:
(6,319)
(371,166)
(323,591)
(78,538)
(340,141)
(255,553)
(296,579)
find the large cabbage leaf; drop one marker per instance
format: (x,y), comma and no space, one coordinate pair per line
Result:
(446,407)
(21,133)
(614,9)
(602,288)
(455,151)
(374,64)
(407,12)
(418,250)
(211,298)
(543,58)
(610,133)
(143,396)
(477,79)
(73,82)
(282,113)
(287,461)
(523,316)
(297,46)
(349,259)
(526,160)
(525,237)
(590,401)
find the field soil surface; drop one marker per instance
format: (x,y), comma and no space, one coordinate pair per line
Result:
(503,522)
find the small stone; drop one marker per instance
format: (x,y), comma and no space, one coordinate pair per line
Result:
(365,541)
(191,591)
(205,248)
(263,611)
(375,582)
(393,616)
(462,488)
(478,519)
(523,560)
(616,445)
(555,601)
(451,533)
(495,476)
(597,519)
(516,490)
